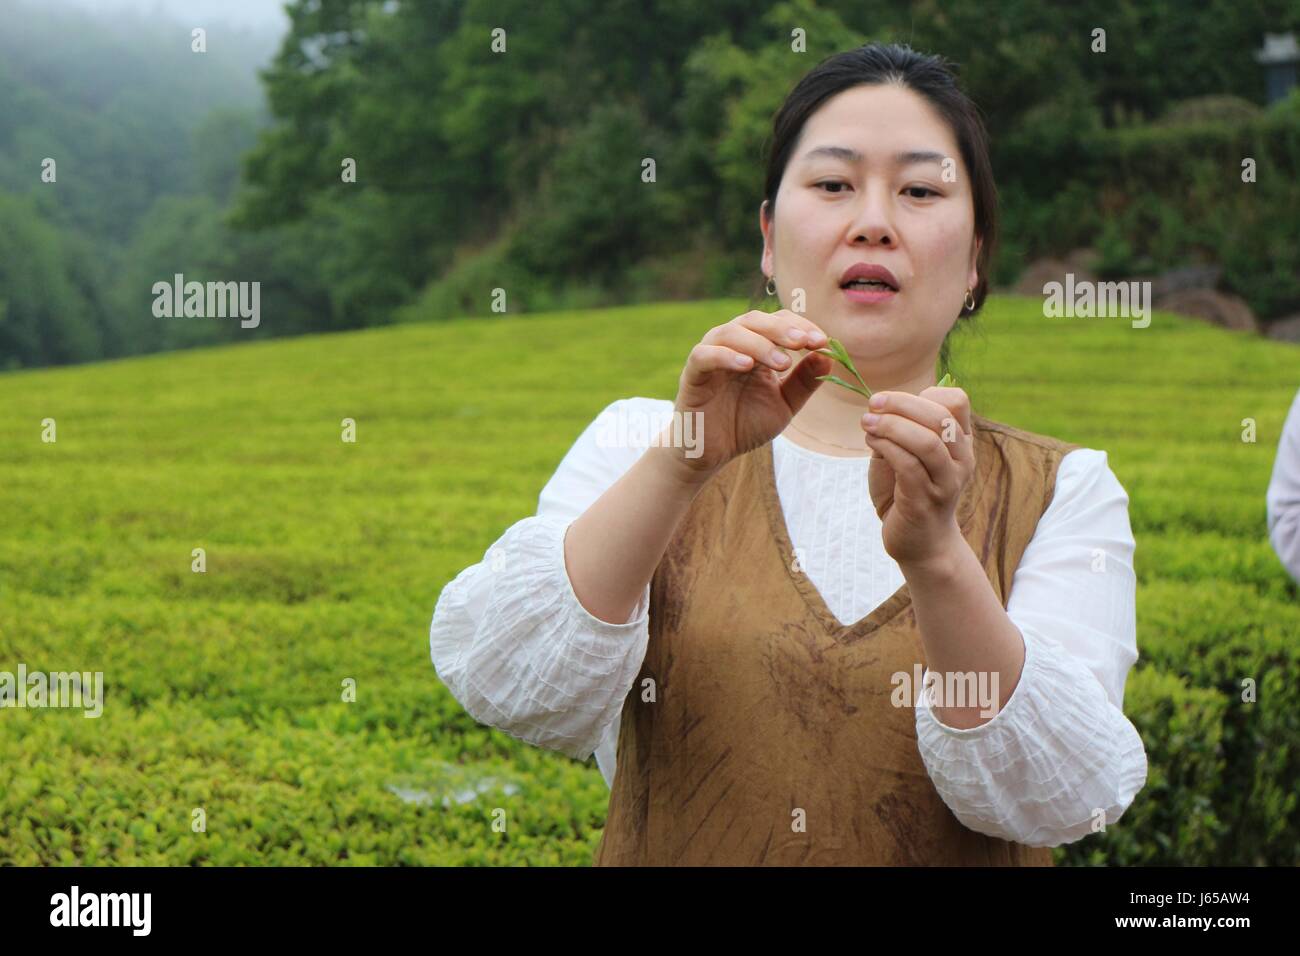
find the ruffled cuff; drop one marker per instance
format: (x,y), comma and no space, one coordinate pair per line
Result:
(1044,766)
(541,667)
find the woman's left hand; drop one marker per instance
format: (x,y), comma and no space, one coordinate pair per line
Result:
(923,456)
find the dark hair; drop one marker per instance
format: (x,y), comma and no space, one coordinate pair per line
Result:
(930,76)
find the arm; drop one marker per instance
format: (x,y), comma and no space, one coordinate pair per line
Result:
(511,639)
(1059,751)
(534,651)
(1284,494)
(612,549)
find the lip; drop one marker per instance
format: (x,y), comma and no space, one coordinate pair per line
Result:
(869,295)
(867,270)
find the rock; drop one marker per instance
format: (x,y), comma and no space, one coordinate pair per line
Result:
(1218,308)
(1168,289)
(1177,280)
(1286,329)
(1042,271)
(1081,261)
(1188,277)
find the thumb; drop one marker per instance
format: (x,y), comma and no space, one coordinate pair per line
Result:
(797,387)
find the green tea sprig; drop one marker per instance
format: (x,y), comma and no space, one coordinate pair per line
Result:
(839,353)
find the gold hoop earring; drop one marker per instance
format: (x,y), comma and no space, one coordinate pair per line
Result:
(970,301)
(771,285)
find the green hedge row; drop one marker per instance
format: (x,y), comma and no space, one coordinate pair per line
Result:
(1155,197)
(324,560)
(1222,768)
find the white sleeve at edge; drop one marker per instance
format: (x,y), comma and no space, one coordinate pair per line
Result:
(1061,750)
(510,639)
(1283,498)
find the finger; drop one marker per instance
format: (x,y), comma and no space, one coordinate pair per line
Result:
(798,386)
(924,446)
(909,473)
(951,422)
(748,342)
(930,408)
(786,328)
(955,400)
(880,481)
(705,361)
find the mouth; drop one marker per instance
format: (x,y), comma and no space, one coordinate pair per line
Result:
(867,282)
(868,290)
(874,285)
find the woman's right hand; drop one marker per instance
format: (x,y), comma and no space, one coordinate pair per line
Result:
(745,395)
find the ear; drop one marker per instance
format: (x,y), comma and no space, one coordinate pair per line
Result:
(765,226)
(973,276)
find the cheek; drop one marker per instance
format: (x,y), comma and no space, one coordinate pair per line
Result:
(948,244)
(804,229)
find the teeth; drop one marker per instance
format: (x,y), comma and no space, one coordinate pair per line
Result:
(870,284)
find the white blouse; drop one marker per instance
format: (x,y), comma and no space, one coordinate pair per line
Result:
(1283,497)
(516,648)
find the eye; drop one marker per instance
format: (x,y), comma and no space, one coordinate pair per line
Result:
(831,182)
(924,189)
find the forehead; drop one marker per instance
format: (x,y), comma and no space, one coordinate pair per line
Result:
(878,120)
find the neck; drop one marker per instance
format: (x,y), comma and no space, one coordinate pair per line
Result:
(832,417)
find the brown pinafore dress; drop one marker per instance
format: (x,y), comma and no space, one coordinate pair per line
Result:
(760,730)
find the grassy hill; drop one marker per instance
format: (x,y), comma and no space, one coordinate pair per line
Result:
(223,689)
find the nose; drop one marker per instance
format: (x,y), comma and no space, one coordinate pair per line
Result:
(873,217)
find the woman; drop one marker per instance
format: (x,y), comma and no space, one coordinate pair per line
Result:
(744,633)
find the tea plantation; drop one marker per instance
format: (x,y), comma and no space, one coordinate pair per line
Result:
(280,707)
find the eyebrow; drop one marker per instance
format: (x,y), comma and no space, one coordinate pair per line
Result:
(853,156)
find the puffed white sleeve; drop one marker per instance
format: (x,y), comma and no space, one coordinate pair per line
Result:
(1283,498)
(509,637)
(1061,751)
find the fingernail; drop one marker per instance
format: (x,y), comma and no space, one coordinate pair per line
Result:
(870,419)
(877,401)
(779,357)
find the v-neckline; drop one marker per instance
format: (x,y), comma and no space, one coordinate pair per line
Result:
(893,605)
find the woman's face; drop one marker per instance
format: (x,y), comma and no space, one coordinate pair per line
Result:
(876,205)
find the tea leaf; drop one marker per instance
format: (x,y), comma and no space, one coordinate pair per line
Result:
(839,381)
(838,352)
